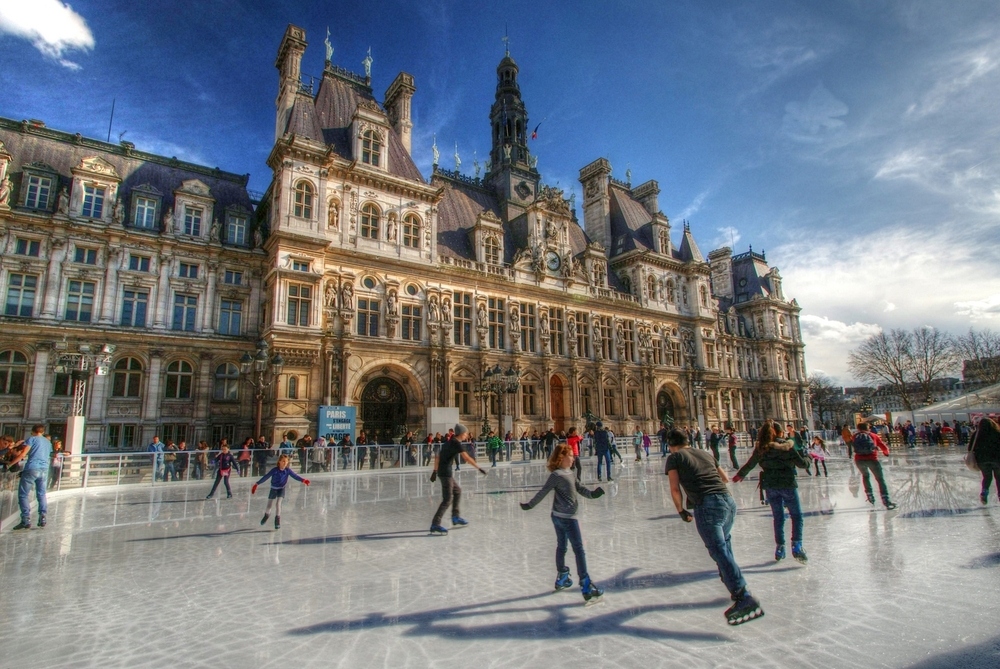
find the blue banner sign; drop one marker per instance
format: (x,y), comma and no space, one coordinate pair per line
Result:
(335,422)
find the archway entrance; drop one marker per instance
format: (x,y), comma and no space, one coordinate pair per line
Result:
(557,403)
(383,408)
(665,411)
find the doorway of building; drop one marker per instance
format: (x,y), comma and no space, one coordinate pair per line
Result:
(557,403)
(383,409)
(665,411)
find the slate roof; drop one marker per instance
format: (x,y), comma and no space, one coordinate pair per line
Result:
(63,151)
(631,224)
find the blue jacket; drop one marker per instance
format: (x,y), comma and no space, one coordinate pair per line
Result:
(279,477)
(602,441)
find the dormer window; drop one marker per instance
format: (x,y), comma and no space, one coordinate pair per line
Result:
(236,230)
(303,205)
(664,242)
(38,192)
(370,221)
(651,288)
(371,148)
(93,201)
(492,251)
(192,220)
(411,231)
(145,213)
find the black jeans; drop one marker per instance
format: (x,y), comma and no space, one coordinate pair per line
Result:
(875,467)
(451,495)
(990,471)
(579,469)
(569,529)
(732,457)
(220,477)
(715,453)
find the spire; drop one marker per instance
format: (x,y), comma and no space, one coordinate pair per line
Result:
(509,118)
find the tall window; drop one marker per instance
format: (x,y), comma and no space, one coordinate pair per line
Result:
(411,231)
(227,382)
(180,375)
(230,317)
(709,355)
(299,304)
(529,399)
(127,378)
(557,329)
(138,263)
(292,388)
(610,401)
(492,251)
(303,206)
(582,335)
(236,231)
(27,247)
(606,334)
(369,221)
(62,385)
(134,305)
(145,213)
(674,353)
(93,202)
(185,310)
(80,301)
(664,242)
(411,322)
(632,401)
(21,294)
(586,399)
(651,288)
(122,436)
(462,318)
(628,330)
(371,148)
(671,292)
(528,333)
(39,189)
(192,220)
(496,313)
(13,368)
(368,313)
(463,396)
(657,352)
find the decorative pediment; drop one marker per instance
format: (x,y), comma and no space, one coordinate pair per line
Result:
(97,166)
(194,187)
(146,189)
(39,166)
(488,218)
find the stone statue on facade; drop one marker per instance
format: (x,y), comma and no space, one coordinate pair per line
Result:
(62,205)
(167,224)
(5,189)
(390,230)
(515,321)
(446,313)
(482,321)
(333,216)
(433,312)
(506,152)
(435,152)
(367,62)
(330,298)
(392,303)
(347,296)
(215,233)
(119,214)
(571,330)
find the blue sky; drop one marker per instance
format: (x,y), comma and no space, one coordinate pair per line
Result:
(855,142)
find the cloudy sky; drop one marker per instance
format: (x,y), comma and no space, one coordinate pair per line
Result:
(855,142)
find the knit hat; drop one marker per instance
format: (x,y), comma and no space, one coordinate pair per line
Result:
(600,424)
(460,429)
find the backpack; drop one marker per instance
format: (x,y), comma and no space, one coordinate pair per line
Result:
(863,444)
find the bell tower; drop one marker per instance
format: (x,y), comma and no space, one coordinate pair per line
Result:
(512,168)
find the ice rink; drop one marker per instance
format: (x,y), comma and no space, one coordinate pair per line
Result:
(144,576)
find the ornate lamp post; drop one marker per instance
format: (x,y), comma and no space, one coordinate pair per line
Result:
(500,383)
(255,368)
(80,366)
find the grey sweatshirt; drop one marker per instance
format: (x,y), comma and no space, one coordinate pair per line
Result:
(564,504)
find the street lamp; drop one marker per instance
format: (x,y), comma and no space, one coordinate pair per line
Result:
(699,396)
(254,368)
(79,366)
(498,382)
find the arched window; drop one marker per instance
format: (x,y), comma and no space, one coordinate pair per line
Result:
(292,389)
(180,376)
(369,221)
(788,368)
(303,200)
(651,287)
(13,367)
(671,292)
(371,148)
(492,251)
(664,242)
(704,296)
(411,231)
(227,382)
(782,332)
(127,379)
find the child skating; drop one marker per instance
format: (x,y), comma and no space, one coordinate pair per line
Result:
(564,507)
(818,453)
(224,463)
(279,477)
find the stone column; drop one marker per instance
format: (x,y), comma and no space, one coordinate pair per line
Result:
(154,391)
(161,308)
(208,313)
(53,279)
(108,301)
(36,405)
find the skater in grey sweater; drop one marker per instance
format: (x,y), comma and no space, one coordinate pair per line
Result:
(564,507)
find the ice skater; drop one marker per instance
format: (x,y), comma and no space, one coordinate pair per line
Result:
(564,506)
(818,453)
(986,445)
(451,494)
(224,463)
(573,441)
(704,482)
(778,459)
(866,447)
(279,477)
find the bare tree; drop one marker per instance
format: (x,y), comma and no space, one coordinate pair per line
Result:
(824,395)
(980,352)
(885,358)
(932,357)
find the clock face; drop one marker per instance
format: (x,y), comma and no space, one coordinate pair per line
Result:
(552,260)
(743,282)
(523,190)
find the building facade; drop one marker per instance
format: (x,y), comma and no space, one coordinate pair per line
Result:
(381,289)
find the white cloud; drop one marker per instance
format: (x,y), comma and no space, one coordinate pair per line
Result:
(814,119)
(728,236)
(693,208)
(889,306)
(978,310)
(828,341)
(51,26)
(955,76)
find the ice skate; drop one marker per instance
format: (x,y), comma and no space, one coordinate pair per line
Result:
(779,552)
(22,526)
(438,530)
(41,521)
(277,522)
(983,498)
(459,521)
(744,610)
(563,581)
(264,519)
(798,553)
(889,506)
(591,592)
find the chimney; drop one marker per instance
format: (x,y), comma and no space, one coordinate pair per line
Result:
(397,104)
(646,194)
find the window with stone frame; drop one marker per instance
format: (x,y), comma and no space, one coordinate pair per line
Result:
(607,337)
(497,314)
(227,383)
(462,318)
(192,220)
(144,212)
(62,385)
(557,331)
(236,230)
(411,231)
(80,300)
(370,215)
(179,380)
(411,322)
(292,388)
(710,355)
(632,401)
(599,275)
(187,270)
(610,401)
(628,330)
(175,432)
(84,255)
(369,310)
(371,148)
(529,399)
(302,200)
(138,263)
(230,317)
(664,241)
(463,395)
(674,353)
(651,291)
(492,250)
(586,400)
(27,247)
(232,277)
(93,201)
(583,335)
(299,304)
(122,437)
(656,351)
(529,334)
(13,370)
(38,191)
(21,291)
(671,292)
(126,378)
(185,312)
(135,305)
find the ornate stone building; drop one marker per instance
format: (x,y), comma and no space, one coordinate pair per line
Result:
(379,288)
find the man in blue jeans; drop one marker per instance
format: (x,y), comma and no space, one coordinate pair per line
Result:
(602,445)
(704,482)
(33,474)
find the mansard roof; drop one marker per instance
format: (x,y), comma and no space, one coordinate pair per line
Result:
(32,143)
(689,251)
(631,224)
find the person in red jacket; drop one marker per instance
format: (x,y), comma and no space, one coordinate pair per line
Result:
(866,447)
(574,439)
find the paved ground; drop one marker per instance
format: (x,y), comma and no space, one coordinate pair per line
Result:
(161,577)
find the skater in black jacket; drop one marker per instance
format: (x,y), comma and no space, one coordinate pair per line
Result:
(451,494)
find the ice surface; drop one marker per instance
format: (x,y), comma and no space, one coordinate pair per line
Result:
(160,577)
